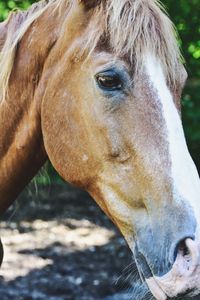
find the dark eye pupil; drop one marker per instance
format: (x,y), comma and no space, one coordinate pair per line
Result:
(111,82)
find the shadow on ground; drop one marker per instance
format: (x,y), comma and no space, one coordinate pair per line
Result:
(89,274)
(59,245)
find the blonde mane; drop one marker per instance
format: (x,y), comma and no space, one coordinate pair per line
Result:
(137,27)
(132,28)
(23,20)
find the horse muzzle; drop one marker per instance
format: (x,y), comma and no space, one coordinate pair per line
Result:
(167,254)
(184,277)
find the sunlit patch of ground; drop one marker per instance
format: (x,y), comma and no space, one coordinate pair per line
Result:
(78,235)
(60,246)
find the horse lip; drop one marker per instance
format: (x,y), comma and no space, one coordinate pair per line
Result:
(152,284)
(155,289)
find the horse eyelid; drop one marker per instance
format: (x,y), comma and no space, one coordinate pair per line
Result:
(106,77)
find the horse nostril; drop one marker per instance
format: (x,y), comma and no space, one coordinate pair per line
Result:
(182,249)
(187,254)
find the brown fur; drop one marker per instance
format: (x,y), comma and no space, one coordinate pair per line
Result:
(51,106)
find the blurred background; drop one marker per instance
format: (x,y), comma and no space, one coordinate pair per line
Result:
(58,243)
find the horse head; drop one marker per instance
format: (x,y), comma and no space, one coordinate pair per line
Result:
(109,105)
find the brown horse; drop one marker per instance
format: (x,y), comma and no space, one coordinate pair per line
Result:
(95,86)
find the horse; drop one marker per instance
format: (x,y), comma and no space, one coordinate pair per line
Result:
(95,87)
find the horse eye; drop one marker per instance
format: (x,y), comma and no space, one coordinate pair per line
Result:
(110,81)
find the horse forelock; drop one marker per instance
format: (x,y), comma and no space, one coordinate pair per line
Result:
(131,28)
(136,27)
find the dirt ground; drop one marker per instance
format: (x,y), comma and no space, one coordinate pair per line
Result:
(60,246)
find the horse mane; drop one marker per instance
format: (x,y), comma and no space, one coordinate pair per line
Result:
(138,27)
(17,25)
(132,27)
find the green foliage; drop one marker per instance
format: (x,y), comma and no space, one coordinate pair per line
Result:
(185,14)
(7,5)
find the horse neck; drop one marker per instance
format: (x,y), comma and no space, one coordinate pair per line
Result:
(22,151)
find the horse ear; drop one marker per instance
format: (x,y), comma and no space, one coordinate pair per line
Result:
(89,3)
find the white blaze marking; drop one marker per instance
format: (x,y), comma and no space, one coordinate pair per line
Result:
(183,171)
(186,184)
